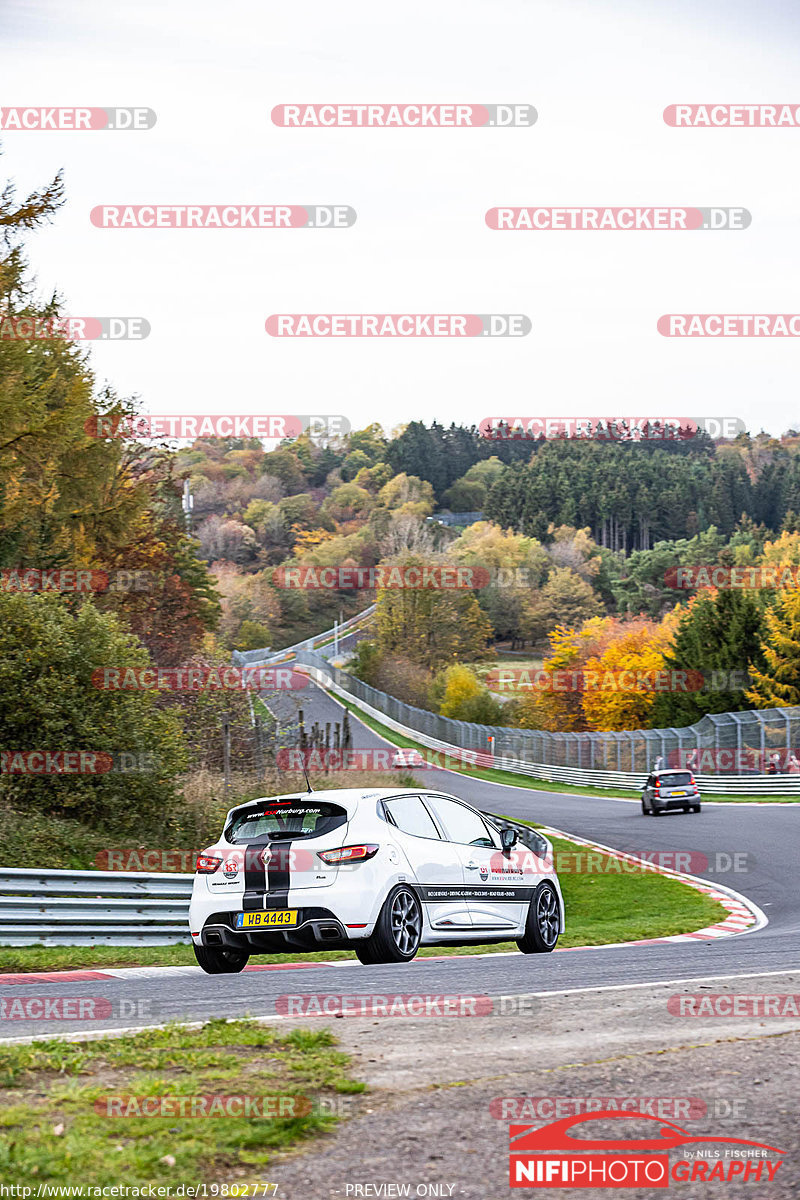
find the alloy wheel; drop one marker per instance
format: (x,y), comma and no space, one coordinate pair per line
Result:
(547,916)
(406,922)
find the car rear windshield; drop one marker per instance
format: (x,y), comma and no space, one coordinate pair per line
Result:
(675,779)
(271,819)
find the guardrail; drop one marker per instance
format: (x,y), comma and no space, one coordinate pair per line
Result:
(93,908)
(750,785)
(267,654)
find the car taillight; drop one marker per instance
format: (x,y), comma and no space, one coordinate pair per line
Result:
(207,864)
(658,790)
(348,854)
(691,781)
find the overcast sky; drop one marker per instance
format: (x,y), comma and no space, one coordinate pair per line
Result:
(599,75)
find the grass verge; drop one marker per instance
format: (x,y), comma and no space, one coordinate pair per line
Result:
(494,775)
(605,906)
(53,1131)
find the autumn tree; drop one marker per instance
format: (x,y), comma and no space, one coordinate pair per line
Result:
(620,684)
(465,698)
(430,626)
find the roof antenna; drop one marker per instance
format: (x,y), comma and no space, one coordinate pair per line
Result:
(305,772)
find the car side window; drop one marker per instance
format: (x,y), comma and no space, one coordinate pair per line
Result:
(461,824)
(650,781)
(410,816)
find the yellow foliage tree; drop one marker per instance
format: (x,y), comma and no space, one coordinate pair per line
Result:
(461,686)
(627,674)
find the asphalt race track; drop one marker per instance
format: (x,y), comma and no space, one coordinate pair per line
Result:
(766,834)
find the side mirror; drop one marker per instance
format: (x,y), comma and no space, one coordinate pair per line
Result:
(508,838)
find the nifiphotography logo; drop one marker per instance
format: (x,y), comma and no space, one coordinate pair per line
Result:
(572,1161)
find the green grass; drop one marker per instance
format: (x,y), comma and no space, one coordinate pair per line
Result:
(50,1130)
(494,775)
(615,907)
(601,908)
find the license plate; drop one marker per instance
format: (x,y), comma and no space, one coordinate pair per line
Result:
(257,920)
(678,793)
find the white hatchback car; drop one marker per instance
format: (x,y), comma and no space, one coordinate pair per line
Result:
(408,758)
(379,872)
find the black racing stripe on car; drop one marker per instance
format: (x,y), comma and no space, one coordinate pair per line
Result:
(255,878)
(278,881)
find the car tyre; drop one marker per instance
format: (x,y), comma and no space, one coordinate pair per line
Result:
(398,931)
(644,808)
(696,808)
(543,924)
(657,811)
(220,960)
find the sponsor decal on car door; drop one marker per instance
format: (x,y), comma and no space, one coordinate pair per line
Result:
(494,885)
(435,863)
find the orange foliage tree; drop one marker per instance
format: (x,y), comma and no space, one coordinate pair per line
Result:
(606,647)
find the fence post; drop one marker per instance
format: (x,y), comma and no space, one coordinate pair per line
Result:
(259,749)
(226,755)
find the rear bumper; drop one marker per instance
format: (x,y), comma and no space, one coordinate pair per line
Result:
(675,802)
(317,929)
